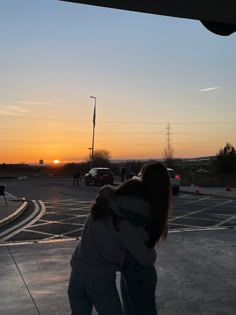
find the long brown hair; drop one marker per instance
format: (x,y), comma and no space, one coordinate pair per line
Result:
(156,180)
(153,186)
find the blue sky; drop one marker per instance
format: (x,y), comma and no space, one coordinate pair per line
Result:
(145,70)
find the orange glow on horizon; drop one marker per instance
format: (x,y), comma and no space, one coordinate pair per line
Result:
(117,153)
(76,149)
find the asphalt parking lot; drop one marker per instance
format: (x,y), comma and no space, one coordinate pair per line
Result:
(64,219)
(202,212)
(196,265)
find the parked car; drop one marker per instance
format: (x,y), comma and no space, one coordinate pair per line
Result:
(99,176)
(174,180)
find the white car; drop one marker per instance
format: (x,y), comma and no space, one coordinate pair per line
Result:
(174,180)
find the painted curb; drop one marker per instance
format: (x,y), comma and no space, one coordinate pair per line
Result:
(14,215)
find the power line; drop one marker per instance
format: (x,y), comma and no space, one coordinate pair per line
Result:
(138,122)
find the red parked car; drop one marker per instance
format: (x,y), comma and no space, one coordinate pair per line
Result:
(99,176)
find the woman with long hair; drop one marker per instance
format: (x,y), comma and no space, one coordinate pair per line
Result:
(138,282)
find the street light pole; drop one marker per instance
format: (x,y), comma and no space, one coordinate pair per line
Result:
(94,123)
(90,157)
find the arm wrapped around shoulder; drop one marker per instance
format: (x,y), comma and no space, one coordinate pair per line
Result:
(101,206)
(104,195)
(133,209)
(106,191)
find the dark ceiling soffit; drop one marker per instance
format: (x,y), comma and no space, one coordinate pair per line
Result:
(216,11)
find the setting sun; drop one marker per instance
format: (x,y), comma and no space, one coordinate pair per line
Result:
(56,162)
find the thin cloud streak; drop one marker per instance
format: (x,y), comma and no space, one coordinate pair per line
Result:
(210,89)
(32,103)
(13,111)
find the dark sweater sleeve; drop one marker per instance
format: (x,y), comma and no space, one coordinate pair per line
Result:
(132,187)
(132,241)
(132,209)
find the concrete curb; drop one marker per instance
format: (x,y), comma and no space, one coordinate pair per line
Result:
(14,215)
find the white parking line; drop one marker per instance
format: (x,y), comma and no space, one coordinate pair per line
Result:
(71,206)
(197,229)
(226,221)
(196,200)
(198,211)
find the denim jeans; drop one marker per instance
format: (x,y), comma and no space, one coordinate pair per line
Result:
(98,289)
(138,288)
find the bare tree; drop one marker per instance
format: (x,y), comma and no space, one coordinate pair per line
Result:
(101,158)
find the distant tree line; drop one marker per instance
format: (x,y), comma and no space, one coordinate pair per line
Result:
(224,162)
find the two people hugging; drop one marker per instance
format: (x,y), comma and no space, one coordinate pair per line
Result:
(120,234)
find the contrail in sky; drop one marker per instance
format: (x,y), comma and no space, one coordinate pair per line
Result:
(210,89)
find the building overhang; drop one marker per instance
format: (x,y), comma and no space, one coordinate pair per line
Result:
(216,15)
